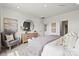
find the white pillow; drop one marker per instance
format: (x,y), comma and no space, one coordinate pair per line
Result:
(70,40)
(60,41)
(77,43)
(9,37)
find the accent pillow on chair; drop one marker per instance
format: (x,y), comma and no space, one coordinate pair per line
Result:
(9,37)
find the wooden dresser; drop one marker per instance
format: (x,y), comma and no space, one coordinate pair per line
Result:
(27,36)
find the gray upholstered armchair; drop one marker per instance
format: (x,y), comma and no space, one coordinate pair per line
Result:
(7,43)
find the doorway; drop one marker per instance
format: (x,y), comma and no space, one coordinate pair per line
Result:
(64,28)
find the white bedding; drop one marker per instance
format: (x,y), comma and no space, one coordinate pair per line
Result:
(57,50)
(41,46)
(69,48)
(52,49)
(34,47)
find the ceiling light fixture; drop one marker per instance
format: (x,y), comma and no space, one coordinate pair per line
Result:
(45,5)
(42,17)
(18,7)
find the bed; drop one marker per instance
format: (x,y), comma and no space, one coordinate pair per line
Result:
(34,46)
(51,45)
(64,46)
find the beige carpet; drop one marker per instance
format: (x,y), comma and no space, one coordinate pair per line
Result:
(14,51)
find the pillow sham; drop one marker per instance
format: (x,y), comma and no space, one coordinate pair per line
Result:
(60,41)
(70,39)
(77,44)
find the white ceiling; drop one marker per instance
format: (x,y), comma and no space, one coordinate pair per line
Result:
(43,9)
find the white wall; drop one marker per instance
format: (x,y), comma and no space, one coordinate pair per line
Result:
(0,19)
(72,17)
(73,22)
(6,12)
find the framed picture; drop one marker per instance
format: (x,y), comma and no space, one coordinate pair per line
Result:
(53,27)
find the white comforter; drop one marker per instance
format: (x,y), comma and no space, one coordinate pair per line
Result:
(53,49)
(64,46)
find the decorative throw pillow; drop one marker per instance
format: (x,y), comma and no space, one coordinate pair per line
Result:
(60,41)
(9,37)
(70,40)
(77,44)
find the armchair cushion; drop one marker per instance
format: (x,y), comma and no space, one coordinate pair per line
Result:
(9,37)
